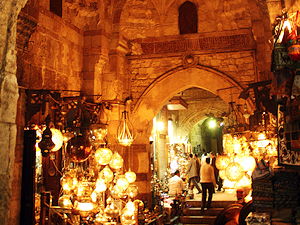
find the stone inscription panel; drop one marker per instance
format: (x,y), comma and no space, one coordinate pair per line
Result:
(232,42)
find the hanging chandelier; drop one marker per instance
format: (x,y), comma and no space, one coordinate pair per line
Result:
(125,135)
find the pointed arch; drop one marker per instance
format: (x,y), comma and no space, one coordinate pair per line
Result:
(177,80)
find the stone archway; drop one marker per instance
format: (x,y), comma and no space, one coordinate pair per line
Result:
(174,81)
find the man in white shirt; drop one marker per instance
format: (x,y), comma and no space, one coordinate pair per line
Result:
(208,182)
(176,184)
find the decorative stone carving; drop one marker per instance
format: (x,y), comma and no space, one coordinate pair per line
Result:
(189,60)
(26,25)
(99,66)
(198,43)
(136,48)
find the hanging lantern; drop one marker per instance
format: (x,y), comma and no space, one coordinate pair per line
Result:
(247,163)
(122,183)
(66,182)
(79,148)
(132,191)
(234,171)
(107,174)
(117,192)
(97,134)
(57,139)
(125,131)
(100,185)
(236,145)
(85,206)
(227,184)
(222,162)
(103,156)
(46,144)
(64,201)
(130,176)
(116,161)
(245,181)
(262,140)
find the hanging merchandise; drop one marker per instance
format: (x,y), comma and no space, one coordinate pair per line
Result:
(95,188)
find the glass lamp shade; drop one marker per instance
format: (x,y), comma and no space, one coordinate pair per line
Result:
(247,163)
(117,192)
(106,174)
(57,139)
(103,156)
(116,161)
(125,135)
(132,191)
(234,171)
(262,140)
(100,185)
(122,183)
(245,181)
(222,162)
(79,148)
(65,202)
(85,206)
(98,134)
(130,176)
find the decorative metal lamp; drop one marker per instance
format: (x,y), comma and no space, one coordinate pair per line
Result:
(125,134)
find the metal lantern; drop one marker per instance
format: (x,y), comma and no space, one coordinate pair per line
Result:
(247,163)
(222,162)
(234,171)
(64,201)
(116,161)
(130,176)
(103,156)
(57,138)
(125,135)
(107,174)
(79,148)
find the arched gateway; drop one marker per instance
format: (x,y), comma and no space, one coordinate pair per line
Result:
(178,79)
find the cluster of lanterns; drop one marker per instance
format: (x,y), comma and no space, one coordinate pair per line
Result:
(239,159)
(103,193)
(93,183)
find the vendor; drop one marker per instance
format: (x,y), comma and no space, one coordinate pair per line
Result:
(176,184)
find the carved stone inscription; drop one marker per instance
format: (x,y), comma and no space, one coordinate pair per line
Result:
(233,42)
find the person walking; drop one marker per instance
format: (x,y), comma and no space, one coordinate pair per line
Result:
(208,183)
(192,173)
(198,165)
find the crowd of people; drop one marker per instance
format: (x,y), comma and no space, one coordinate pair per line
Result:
(202,174)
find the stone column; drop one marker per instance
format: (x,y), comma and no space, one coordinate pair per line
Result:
(9,11)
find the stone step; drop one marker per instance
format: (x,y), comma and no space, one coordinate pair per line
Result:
(197,219)
(214,204)
(197,211)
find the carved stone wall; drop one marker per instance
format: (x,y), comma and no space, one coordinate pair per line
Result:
(55,55)
(154,18)
(240,66)
(9,11)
